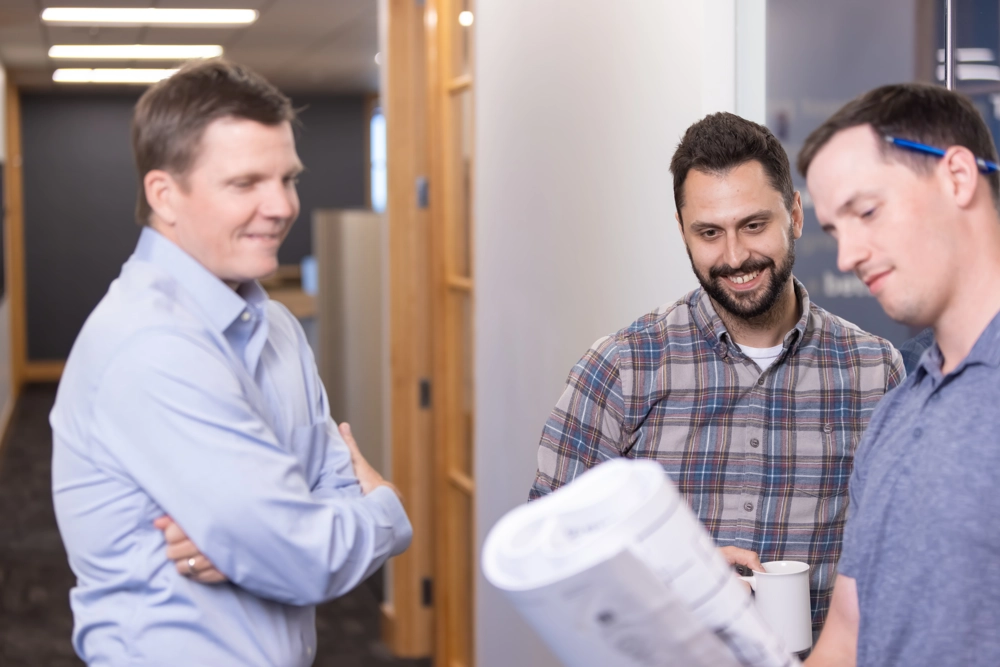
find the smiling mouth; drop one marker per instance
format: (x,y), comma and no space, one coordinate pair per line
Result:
(874,281)
(743,277)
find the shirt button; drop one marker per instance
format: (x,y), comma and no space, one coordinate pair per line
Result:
(748,507)
(754,442)
(245,316)
(760,380)
(827,428)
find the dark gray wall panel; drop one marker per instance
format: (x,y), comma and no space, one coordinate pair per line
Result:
(79,191)
(79,202)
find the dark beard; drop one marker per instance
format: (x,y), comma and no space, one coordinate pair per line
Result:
(753,305)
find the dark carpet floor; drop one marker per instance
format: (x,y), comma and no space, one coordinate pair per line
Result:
(35,619)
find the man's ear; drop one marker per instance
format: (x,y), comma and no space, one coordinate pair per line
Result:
(962,174)
(160,188)
(797,217)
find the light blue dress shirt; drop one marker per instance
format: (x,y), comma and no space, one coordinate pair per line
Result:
(184,397)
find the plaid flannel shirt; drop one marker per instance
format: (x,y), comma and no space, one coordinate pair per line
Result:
(763,458)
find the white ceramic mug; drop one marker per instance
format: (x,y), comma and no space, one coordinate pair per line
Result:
(781,595)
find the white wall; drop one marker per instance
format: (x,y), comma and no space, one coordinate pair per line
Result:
(579,107)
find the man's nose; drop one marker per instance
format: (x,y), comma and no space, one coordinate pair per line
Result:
(280,201)
(852,250)
(736,252)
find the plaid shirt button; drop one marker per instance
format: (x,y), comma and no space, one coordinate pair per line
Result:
(748,507)
(754,442)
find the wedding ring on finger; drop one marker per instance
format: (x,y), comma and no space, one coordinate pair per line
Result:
(190,564)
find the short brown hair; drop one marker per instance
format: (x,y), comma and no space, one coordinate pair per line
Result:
(170,118)
(919,112)
(721,141)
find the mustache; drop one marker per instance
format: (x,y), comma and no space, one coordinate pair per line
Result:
(749,266)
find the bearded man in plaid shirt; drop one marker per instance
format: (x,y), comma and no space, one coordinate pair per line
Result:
(752,397)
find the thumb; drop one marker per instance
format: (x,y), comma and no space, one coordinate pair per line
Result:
(345,433)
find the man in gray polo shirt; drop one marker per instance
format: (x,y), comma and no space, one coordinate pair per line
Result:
(904,178)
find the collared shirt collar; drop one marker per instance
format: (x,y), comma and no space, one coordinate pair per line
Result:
(221,304)
(714,330)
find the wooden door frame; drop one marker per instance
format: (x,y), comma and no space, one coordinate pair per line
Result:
(23,369)
(408,615)
(443,85)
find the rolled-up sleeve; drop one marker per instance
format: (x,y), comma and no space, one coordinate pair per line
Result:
(175,418)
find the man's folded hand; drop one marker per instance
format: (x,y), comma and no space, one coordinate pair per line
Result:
(188,560)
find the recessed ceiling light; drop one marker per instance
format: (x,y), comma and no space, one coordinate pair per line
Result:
(125,16)
(135,51)
(72,75)
(466,18)
(378,58)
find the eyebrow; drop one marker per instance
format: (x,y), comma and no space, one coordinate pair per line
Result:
(762,214)
(850,203)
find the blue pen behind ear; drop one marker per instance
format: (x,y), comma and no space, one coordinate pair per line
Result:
(985,166)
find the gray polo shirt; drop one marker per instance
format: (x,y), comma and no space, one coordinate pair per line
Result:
(922,537)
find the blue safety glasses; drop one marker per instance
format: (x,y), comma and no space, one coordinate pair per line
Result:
(985,166)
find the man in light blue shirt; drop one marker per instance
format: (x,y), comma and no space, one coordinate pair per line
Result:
(189,394)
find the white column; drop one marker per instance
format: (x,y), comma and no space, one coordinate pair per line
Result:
(579,107)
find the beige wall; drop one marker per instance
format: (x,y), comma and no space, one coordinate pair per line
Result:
(351,351)
(579,106)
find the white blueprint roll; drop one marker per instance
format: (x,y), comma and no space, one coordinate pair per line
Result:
(614,569)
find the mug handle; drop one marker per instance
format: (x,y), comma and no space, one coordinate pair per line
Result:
(752,581)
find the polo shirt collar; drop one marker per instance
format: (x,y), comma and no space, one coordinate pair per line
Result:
(985,351)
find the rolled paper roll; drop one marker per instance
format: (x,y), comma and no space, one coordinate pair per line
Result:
(614,569)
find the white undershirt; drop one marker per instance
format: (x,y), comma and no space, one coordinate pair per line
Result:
(763,356)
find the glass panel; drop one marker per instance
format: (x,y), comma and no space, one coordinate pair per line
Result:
(463,19)
(460,446)
(379,183)
(977,66)
(810,74)
(461,187)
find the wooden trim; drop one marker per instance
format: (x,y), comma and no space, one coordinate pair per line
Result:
(455,562)
(43,371)
(387,618)
(460,84)
(410,340)
(14,240)
(462,481)
(459,283)
(6,417)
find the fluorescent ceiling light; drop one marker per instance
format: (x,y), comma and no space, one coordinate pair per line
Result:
(124,16)
(135,51)
(72,75)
